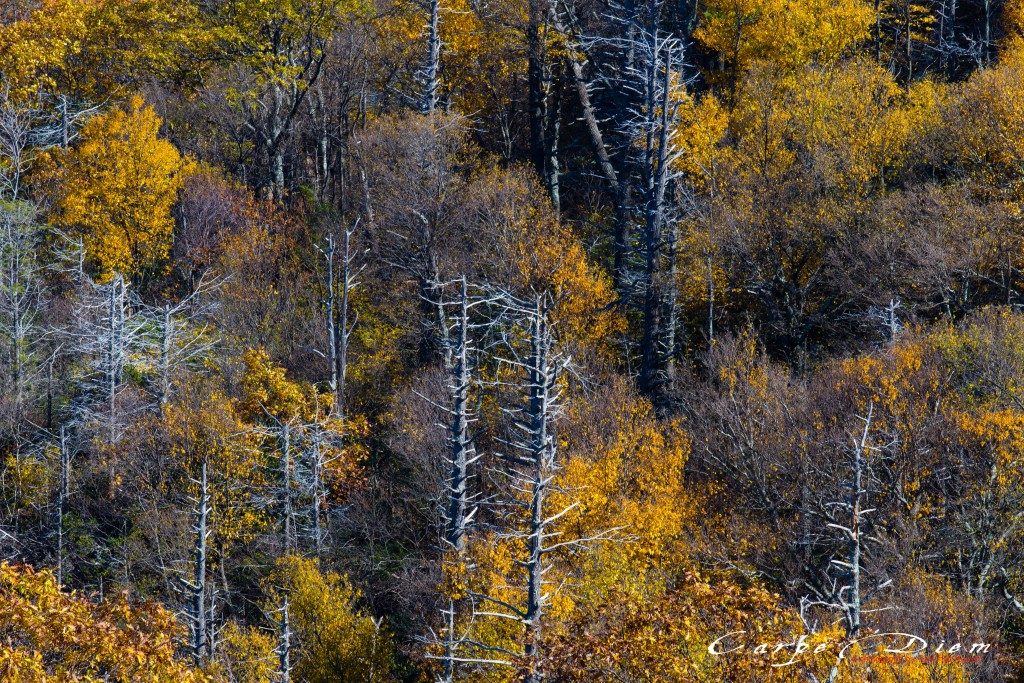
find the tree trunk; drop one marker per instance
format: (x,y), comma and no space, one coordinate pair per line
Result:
(165,355)
(63,493)
(287,513)
(432,69)
(198,621)
(535,73)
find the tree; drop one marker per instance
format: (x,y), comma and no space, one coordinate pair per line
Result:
(107,336)
(200,620)
(787,35)
(335,641)
(22,298)
(410,195)
(313,463)
(458,501)
(52,635)
(531,505)
(182,337)
(337,312)
(116,190)
(659,71)
(70,51)
(283,48)
(664,637)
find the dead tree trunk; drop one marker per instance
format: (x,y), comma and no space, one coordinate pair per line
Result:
(533,465)
(115,338)
(342,332)
(63,493)
(287,508)
(535,67)
(458,514)
(432,68)
(166,333)
(660,56)
(198,617)
(847,593)
(855,533)
(319,498)
(541,453)
(284,646)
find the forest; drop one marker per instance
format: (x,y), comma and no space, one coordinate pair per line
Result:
(497,341)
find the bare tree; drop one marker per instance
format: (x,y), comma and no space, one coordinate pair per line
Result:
(337,308)
(528,521)
(22,299)
(27,128)
(199,612)
(180,336)
(318,461)
(641,71)
(298,496)
(848,594)
(63,495)
(659,75)
(432,65)
(457,503)
(106,337)
(286,514)
(412,173)
(16,148)
(284,644)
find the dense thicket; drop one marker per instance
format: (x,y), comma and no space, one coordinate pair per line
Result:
(442,340)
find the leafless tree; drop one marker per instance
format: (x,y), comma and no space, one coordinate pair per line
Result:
(849,591)
(432,64)
(22,298)
(458,501)
(180,336)
(106,336)
(28,128)
(532,464)
(200,611)
(285,635)
(63,496)
(660,80)
(343,272)
(411,171)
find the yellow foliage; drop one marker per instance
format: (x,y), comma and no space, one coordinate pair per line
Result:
(28,478)
(89,48)
(269,392)
(338,642)
(246,655)
(207,429)
(266,36)
(547,257)
(665,636)
(855,123)
(51,636)
(117,188)
(703,124)
(786,33)
(626,471)
(986,121)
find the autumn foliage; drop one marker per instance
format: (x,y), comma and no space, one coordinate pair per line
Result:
(447,340)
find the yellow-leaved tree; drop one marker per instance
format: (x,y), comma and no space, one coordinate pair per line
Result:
(338,642)
(116,189)
(204,427)
(781,32)
(88,50)
(332,640)
(48,635)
